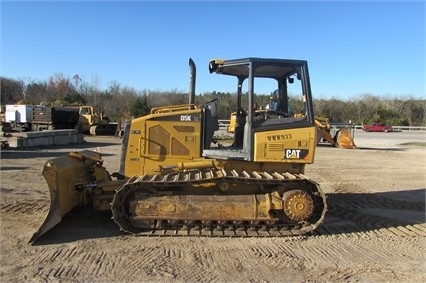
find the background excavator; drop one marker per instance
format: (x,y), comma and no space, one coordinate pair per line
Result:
(175,180)
(342,138)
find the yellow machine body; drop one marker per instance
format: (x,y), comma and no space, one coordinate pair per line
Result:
(176,179)
(162,139)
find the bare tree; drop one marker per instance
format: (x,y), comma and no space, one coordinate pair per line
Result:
(12,90)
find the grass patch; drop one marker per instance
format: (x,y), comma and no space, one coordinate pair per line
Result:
(420,144)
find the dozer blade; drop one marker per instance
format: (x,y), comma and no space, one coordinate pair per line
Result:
(66,177)
(344,139)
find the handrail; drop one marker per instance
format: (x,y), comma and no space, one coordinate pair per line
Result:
(225,123)
(172,108)
(397,128)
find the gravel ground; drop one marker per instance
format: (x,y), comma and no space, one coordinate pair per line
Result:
(375,229)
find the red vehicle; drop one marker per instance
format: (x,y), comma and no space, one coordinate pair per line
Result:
(377,127)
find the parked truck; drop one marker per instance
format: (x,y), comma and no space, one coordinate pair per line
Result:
(377,127)
(17,118)
(54,118)
(25,117)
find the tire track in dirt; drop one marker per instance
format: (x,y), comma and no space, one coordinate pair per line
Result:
(153,259)
(277,257)
(27,207)
(161,262)
(362,201)
(188,262)
(85,263)
(100,262)
(357,213)
(215,260)
(234,257)
(157,262)
(203,259)
(364,222)
(316,253)
(151,255)
(53,263)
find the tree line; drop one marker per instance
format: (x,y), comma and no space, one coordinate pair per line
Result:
(122,102)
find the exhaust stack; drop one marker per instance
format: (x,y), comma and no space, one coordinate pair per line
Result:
(192,78)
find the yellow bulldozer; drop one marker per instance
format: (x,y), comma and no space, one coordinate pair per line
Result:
(175,180)
(92,122)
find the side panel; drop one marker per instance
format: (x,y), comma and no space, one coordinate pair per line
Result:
(289,145)
(163,140)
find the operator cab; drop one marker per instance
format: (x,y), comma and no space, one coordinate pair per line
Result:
(290,82)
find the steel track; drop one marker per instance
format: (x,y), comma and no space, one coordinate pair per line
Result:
(216,228)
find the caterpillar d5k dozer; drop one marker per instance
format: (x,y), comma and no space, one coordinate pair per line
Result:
(175,179)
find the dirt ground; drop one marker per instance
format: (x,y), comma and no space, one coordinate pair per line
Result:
(374,230)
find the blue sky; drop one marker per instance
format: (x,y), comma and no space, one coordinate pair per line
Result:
(352,48)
